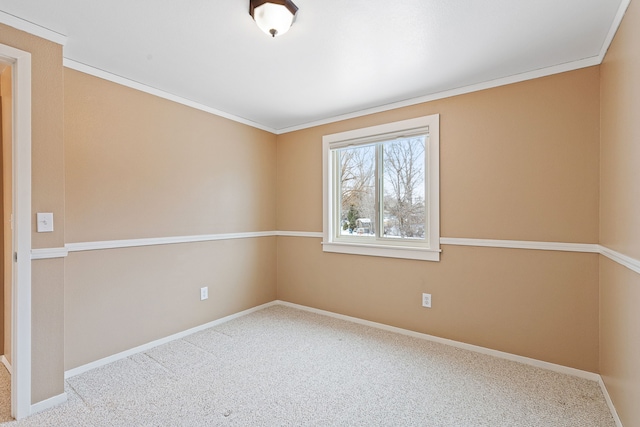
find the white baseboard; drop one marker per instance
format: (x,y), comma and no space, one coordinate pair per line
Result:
(483,350)
(607,398)
(477,349)
(48,403)
(122,355)
(6,364)
(43,405)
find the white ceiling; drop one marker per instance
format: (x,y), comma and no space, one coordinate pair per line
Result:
(340,57)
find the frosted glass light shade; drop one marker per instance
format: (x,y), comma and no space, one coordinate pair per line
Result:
(274,18)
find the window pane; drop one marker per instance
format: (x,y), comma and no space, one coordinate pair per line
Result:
(357,191)
(404,188)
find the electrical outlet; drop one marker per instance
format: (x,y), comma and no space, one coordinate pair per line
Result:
(426,300)
(204,293)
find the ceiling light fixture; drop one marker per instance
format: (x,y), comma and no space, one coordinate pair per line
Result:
(274,17)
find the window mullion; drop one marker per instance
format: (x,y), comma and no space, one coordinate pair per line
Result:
(337,188)
(378,191)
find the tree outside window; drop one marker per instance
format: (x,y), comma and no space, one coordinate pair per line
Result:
(401,165)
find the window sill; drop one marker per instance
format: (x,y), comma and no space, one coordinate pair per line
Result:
(404,252)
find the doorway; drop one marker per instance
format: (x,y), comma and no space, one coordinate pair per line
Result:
(16,173)
(6,235)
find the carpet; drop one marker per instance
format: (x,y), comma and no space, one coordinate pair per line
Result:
(282,366)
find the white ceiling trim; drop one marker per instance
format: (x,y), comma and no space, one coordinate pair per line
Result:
(87,69)
(61,39)
(562,68)
(31,28)
(570,66)
(556,69)
(624,5)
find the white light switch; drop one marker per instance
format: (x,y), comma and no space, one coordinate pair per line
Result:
(45,222)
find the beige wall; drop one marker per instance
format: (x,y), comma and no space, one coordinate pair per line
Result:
(139,166)
(620,218)
(537,304)
(47,100)
(518,162)
(620,338)
(620,150)
(47,331)
(116,300)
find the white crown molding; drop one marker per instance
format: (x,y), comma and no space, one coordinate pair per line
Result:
(543,72)
(31,28)
(624,5)
(61,39)
(105,75)
(522,244)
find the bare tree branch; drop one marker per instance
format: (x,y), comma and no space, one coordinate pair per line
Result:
(403,180)
(357,170)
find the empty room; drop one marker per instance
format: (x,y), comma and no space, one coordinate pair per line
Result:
(276,212)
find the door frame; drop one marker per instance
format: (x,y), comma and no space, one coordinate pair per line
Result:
(21,286)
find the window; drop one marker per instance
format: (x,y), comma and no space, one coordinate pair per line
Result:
(381,190)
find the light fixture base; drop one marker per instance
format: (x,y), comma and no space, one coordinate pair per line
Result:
(274,17)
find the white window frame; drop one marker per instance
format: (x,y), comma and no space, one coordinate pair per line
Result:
(426,251)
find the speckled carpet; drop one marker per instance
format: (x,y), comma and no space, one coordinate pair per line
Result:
(285,367)
(5,395)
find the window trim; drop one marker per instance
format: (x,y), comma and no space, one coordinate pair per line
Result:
(430,252)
